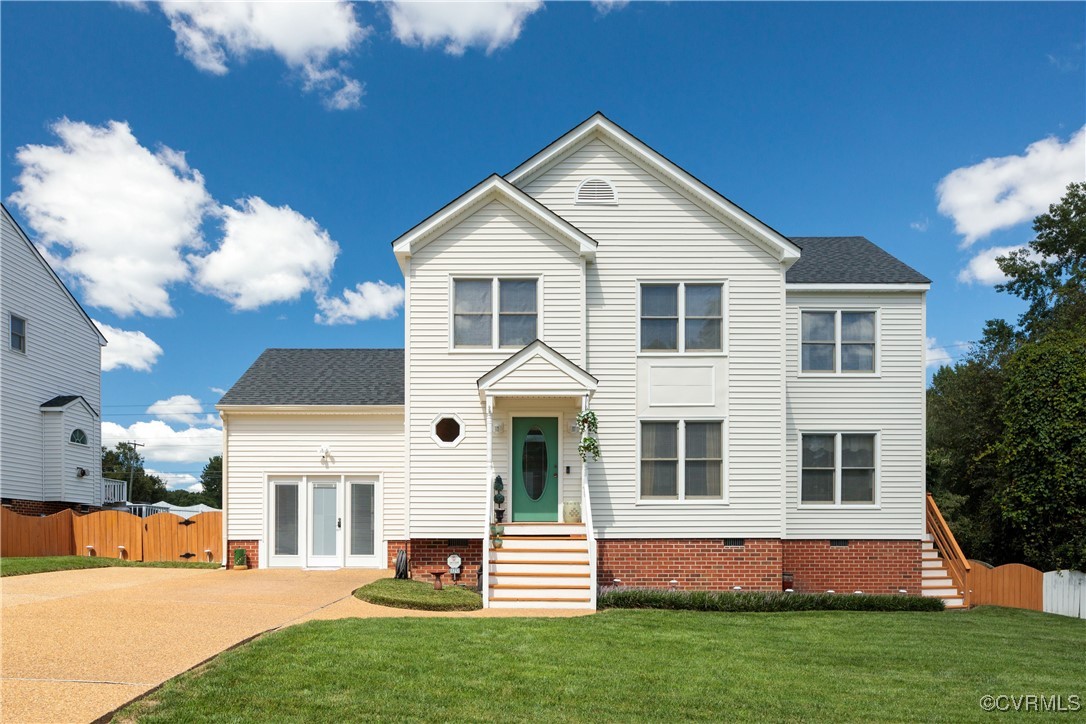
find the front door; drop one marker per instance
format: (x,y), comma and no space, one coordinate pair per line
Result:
(325,525)
(535,469)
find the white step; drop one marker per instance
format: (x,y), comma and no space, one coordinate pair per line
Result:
(547,580)
(930,555)
(928,546)
(928,537)
(927,563)
(499,603)
(537,554)
(954,602)
(939,592)
(542,529)
(927,573)
(509,544)
(941,582)
(499,594)
(528,567)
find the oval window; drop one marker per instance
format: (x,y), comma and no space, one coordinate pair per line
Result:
(534,463)
(78,437)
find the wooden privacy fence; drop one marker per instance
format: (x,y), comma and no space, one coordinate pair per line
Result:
(113,534)
(1013,585)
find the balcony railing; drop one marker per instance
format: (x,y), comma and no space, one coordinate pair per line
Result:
(114,491)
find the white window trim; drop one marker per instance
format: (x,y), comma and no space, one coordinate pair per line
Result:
(577,192)
(438,440)
(837,344)
(725,320)
(80,444)
(837,504)
(682,499)
(495,313)
(25,335)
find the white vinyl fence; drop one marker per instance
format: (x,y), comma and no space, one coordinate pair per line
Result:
(1065,593)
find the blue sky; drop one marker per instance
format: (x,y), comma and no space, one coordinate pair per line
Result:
(936,130)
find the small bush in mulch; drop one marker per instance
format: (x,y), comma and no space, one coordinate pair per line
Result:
(756,602)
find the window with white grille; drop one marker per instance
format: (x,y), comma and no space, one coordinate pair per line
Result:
(596,191)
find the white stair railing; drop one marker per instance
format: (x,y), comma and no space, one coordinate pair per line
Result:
(590,534)
(114,491)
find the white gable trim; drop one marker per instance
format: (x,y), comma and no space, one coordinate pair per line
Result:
(65,408)
(537,348)
(495,188)
(598,126)
(59,282)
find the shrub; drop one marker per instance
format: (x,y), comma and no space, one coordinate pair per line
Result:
(755,601)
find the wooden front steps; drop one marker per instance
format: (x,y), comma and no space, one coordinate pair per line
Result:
(935,580)
(540,565)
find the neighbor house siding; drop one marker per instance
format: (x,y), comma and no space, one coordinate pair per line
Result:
(261,445)
(890,403)
(63,357)
(657,233)
(448,484)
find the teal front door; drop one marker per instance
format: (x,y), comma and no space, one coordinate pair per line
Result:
(535,469)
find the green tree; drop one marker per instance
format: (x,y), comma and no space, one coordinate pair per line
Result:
(124,462)
(211,479)
(1043,450)
(1050,273)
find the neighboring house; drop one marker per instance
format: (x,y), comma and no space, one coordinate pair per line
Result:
(51,391)
(760,399)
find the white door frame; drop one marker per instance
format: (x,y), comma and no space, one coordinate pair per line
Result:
(313,484)
(377,559)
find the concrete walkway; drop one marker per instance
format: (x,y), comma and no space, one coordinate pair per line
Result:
(75,645)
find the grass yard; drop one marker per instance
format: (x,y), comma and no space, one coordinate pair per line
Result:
(635,666)
(48,564)
(416,594)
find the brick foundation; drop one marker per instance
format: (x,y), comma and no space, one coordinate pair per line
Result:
(252,552)
(694,564)
(430,554)
(871,566)
(48,507)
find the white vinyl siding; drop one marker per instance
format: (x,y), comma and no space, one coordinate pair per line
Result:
(659,234)
(891,404)
(62,357)
(266,445)
(448,485)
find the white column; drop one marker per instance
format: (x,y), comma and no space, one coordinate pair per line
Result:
(489,487)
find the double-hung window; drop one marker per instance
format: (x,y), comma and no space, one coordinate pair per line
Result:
(682,317)
(842,340)
(838,469)
(17,327)
(682,460)
(494,313)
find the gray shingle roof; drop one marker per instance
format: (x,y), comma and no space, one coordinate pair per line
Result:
(321,377)
(848,260)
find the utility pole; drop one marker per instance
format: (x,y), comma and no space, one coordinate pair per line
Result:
(131,465)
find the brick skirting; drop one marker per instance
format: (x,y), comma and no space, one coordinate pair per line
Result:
(871,566)
(430,554)
(252,552)
(47,507)
(759,564)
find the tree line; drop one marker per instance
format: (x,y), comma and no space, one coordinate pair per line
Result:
(124,462)
(1007,424)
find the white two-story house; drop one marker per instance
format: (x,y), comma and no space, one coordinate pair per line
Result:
(50,387)
(759,399)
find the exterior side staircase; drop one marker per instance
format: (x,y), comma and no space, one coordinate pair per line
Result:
(945,571)
(540,565)
(935,581)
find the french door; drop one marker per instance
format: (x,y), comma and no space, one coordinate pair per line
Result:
(324,522)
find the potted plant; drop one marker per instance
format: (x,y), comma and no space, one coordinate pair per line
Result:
(499,498)
(239,559)
(496,541)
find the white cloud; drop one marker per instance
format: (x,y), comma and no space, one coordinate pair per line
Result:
(310,37)
(174,481)
(184,409)
(267,254)
(217,390)
(132,349)
(460,25)
(937,356)
(605,6)
(920,226)
(365,301)
(982,268)
(113,215)
(163,443)
(1001,192)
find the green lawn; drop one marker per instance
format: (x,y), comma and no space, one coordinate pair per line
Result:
(416,594)
(635,666)
(48,564)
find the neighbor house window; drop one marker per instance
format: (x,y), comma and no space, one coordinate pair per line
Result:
(682,460)
(78,437)
(838,340)
(682,317)
(838,469)
(491,313)
(18,333)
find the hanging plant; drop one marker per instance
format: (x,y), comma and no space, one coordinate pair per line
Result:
(589,445)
